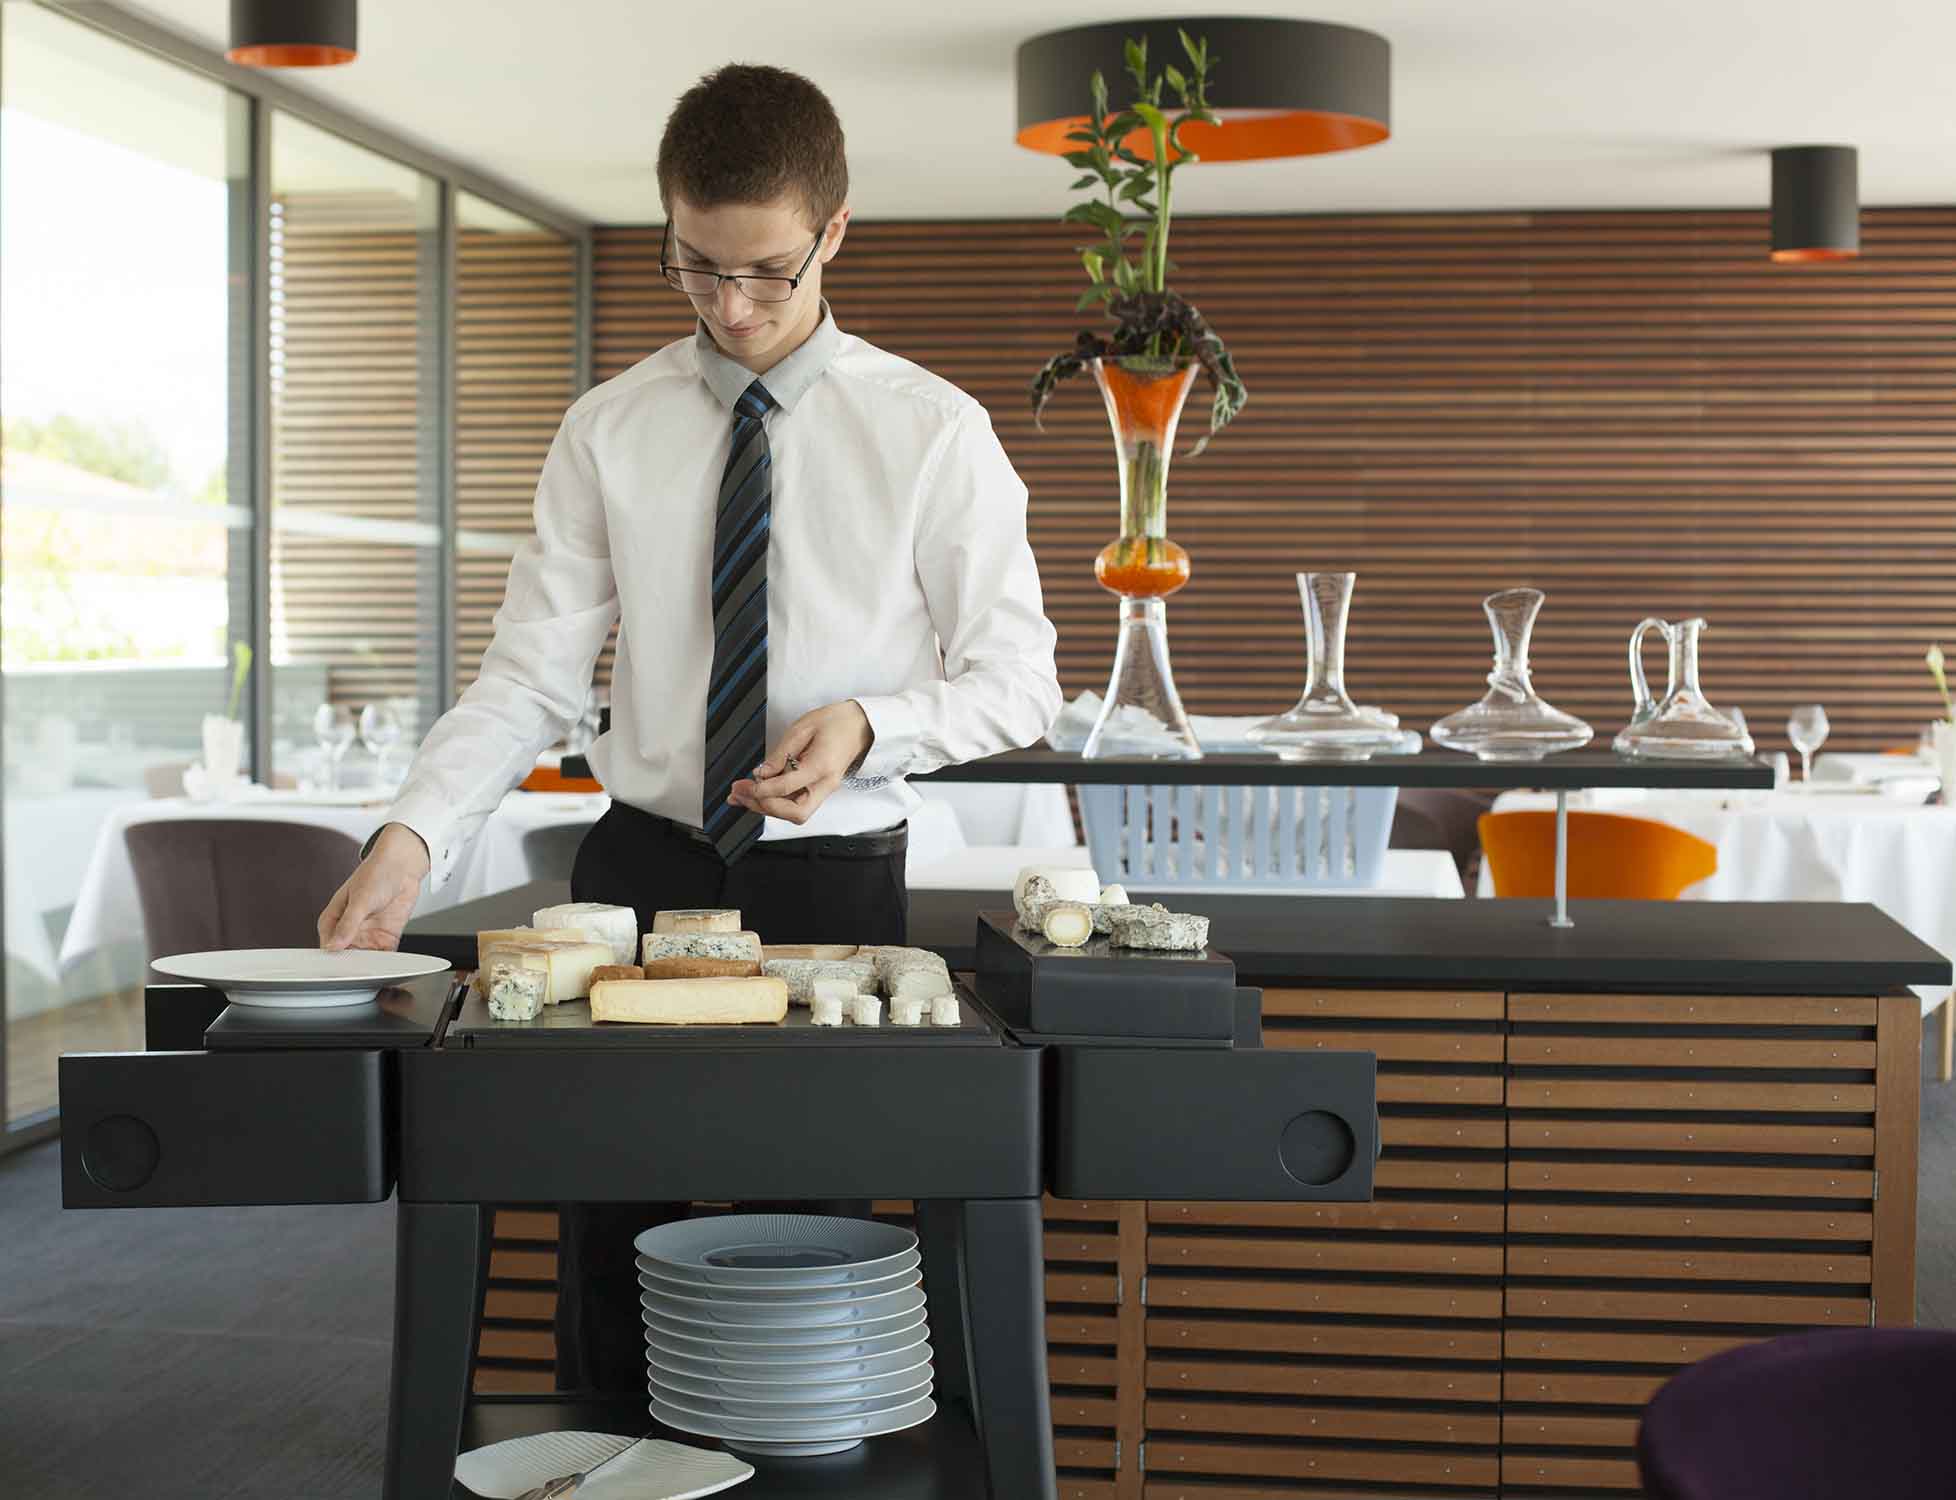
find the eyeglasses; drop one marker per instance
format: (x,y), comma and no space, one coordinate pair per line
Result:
(697,283)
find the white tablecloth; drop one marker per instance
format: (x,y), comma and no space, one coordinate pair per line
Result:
(1407,872)
(1792,846)
(1852,765)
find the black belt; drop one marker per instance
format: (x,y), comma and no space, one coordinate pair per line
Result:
(877,842)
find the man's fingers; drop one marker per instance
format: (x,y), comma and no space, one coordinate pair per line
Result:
(329,919)
(800,735)
(787,783)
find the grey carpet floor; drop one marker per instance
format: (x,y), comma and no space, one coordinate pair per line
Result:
(220,1354)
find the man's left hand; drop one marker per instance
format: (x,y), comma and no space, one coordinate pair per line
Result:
(808,764)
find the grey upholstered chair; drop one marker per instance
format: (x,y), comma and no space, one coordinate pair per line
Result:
(235,882)
(1442,817)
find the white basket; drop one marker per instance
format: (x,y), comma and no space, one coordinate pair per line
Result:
(1189,838)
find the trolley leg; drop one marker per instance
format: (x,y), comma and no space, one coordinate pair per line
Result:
(441,1256)
(1005,1291)
(1561,917)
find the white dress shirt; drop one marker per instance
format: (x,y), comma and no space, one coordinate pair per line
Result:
(898,575)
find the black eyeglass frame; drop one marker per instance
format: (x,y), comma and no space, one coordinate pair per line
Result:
(671,273)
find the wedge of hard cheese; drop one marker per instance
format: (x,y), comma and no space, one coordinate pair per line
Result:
(828,951)
(697,919)
(690,1002)
(567,966)
(691,966)
(503,936)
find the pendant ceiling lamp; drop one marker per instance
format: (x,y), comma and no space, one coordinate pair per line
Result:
(1283,88)
(1816,204)
(293,33)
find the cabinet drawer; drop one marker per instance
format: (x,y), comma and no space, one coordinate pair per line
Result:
(194,1129)
(1236,1125)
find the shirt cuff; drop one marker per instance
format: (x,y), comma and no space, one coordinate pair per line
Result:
(435,828)
(893,722)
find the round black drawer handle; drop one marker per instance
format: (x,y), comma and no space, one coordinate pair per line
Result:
(1317,1147)
(120,1153)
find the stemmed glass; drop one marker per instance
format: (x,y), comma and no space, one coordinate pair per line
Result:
(380,729)
(1807,731)
(332,726)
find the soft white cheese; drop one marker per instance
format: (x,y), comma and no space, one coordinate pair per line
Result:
(616,925)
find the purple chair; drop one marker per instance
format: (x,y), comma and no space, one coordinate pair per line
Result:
(1840,1414)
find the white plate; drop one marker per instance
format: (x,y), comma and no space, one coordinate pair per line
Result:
(299,978)
(796,1412)
(795,1367)
(658,1470)
(858,1345)
(775,1249)
(726,1317)
(736,1433)
(656,1278)
(744,1394)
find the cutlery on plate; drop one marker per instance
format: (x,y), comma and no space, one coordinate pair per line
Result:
(570,1484)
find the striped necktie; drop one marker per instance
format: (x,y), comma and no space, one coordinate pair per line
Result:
(736,694)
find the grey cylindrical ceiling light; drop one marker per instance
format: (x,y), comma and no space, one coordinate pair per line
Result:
(1816,204)
(293,33)
(1284,88)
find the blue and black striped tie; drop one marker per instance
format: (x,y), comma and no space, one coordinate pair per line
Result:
(736,693)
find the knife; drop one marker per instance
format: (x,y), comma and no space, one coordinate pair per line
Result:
(570,1484)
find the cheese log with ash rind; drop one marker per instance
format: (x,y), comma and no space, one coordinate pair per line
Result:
(1067,882)
(918,983)
(1067,924)
(746,945)
(1157,927)
(616,925)
(1104,914)
(1030,898)
(842,991)
(690,1002)
(800,974)
(808,950)
(697,919)
(516,993)
(890,960)
(688,967)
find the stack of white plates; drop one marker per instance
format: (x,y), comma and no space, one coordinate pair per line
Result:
(785,1334)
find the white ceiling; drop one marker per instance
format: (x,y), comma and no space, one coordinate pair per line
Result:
(1497,104)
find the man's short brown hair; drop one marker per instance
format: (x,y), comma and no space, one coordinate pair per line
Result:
(749,134)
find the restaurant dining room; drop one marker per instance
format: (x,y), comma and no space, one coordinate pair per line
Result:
(1085,753)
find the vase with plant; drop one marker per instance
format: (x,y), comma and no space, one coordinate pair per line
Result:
(1144,369)
(1943,731)
(224,733)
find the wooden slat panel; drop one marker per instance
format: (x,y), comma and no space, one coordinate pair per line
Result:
(1579,1388)
(1365,1423)
(1320,1295)
(1522,1472)
(1693,1178)
(1649,1262)
(1686,1307)
(1398,1466)
(1697,1010)
(1342,1253)
(1897,1159)
(1390,1213)
(1604,1348)
(1803,1098)
(1688,1223)
(505,1302)
(1568,1432)
(1439,1343)
(493,1381)
(1536,1133)
(1409,1005)
(1392,1046)
(1687,1052)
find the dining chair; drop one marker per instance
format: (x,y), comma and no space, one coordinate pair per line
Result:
(1807,1416)
(207,883)
(550,852)
(1610,856)
(1442,817)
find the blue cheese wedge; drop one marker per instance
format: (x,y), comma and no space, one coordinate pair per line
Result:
(740,945)
(616,925)
(516,993)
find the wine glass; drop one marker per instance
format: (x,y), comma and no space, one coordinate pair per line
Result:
(380,730)
(332,726)
(1806,729)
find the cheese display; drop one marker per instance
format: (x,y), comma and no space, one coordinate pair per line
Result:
(690,1002)
(616,971)
(801,974)
(826,1010)
(918,983)
(503,936)
(867,1011)
(568,966)
(944,1011)
(516,993)
(616,925)
(890,960)
(906,1012)
(697,919)
(1038,884)
(1158,927)
(742,945)
(687,966)
(808,950)
(842,990)
(1030,898)
(1067,923)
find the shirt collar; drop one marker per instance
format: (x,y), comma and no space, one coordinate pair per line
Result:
(787,382)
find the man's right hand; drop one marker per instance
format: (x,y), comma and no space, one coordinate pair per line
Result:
(372,907)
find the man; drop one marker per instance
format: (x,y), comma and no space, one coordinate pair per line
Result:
(816,555)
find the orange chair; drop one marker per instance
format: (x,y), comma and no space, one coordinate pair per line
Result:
(1610,857)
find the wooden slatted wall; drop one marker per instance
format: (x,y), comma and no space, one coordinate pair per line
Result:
(1636,412)
(515,372)
(345,409)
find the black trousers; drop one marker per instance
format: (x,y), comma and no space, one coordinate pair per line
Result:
(787,895)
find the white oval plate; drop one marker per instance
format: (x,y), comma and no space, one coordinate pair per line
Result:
(832,1437)
(868,1346)
(745,1394)
(724,1317)
(299,978)
(795,1367)
(797,1413)
(654,1277)
(775,1249)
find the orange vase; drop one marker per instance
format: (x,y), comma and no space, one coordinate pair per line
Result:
(1142,714)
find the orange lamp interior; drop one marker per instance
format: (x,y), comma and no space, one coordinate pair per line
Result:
(1808,254)
(1250,137)
(290,55)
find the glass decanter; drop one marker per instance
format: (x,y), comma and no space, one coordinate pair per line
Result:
(1511,723)
(1326,724)
(1682,725)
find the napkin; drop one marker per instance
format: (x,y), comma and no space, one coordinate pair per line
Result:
(654,1470)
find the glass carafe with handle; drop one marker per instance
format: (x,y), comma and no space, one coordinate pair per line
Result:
(1682,725)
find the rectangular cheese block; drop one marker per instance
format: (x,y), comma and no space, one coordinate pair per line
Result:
(682,1002)
(616,925)
(484,941)
(688,967)
(697,919)
(516,993)
(801,974)
(511,950)
(742,945)
(616,971)
(808,950)
(567,966)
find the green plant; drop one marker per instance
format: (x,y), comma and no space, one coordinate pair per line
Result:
(240,669)
(1935,661)
(1134,200)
